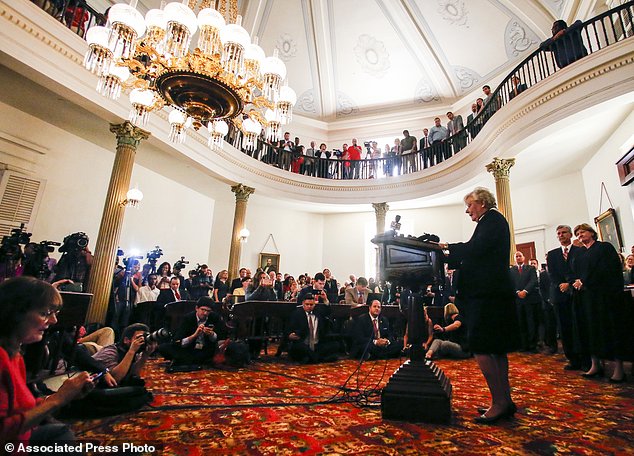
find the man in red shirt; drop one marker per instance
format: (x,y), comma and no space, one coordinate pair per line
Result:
(354,154)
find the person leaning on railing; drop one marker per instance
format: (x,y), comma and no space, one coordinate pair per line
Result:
(566,43)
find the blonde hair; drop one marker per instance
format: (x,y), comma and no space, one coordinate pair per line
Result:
(482,195)
(450,309)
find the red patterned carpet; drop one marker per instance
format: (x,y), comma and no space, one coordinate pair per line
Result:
(277,408)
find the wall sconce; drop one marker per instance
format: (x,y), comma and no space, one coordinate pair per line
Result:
(244,235)
(132,198)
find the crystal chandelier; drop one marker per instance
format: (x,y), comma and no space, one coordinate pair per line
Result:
(225,75)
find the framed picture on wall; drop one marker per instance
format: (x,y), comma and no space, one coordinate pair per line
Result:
(609,229)
(270,262)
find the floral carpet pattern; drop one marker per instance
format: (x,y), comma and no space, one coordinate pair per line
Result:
(274,407)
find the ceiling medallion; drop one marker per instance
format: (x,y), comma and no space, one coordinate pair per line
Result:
(453,11)
(372,56)
(226,75)
(286,47)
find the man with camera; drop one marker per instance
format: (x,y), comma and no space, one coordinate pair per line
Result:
(75,262)
(127,358)
(196,340)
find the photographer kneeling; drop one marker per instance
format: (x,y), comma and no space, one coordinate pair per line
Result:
(196,340)
(127,358)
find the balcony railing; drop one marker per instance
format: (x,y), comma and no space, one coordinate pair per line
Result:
(589,37)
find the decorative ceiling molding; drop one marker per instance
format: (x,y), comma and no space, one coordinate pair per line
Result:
(425,93)
(518,39)
(466,77)
(286,46)
(454,12)
(345,105)
(306,102)
(372,56)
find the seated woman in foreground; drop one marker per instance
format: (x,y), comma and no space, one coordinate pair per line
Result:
(456,345)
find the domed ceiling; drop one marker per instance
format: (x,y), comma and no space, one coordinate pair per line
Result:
(352,58)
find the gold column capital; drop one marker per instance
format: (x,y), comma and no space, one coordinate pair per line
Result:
(242,192)
(500,167)
(128,134)
(380,209)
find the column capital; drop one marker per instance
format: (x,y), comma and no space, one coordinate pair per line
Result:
(128,135)
(500,167)
(380,209)
(242,192)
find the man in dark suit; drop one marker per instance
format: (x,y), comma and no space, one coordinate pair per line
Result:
(547,322)
(171,294)
(561,279)
(527,301)
(196,340)
(307,335)
(237,282)
(372,337)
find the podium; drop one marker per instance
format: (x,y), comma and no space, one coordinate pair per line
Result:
(418,391)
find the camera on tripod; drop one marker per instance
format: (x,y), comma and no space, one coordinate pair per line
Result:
(10,247)
(154,254)
(74,243)
(180,264)
(131,260)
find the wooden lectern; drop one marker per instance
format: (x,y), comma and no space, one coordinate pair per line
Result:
(418,391)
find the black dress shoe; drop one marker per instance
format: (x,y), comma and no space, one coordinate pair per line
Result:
(572,367)
(490,419)
(621,380)
(596,374)
(510,411)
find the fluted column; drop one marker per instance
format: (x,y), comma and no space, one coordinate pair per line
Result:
(501,169)
(242,197)
(380,211)
(100,280)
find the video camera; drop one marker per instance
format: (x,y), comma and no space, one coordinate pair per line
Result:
(129,261)
(154,254)
(10,247)
(74,243)
(180,264)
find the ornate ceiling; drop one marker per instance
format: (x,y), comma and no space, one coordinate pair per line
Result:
(349,58)
(355,58)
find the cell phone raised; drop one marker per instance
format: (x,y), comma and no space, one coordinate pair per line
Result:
(97,376)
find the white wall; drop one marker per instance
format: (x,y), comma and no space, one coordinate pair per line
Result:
(601,168)
(77,174)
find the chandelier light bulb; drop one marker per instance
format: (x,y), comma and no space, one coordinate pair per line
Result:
(142,101)
(181,26)
(252,129)
(127,25)
(253,57)
(287,100)
(244,234)
(274,72)
(178,126)
(156,23)
(218,129)
(235,40)
(210,22)
(99,55)
(109,84)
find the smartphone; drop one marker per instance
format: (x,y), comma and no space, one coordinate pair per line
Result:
(97,376)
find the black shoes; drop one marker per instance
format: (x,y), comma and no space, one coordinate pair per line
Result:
(595,374)
(572,367)
(621,380)
(508,413)
(511,410)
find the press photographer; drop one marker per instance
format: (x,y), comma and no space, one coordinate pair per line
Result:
(11,255)
(126,283)
(152,256)
(75,262)
(36,259)
(201,283)
(126,358)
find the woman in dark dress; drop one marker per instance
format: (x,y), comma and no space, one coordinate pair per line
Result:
(599,283)
(485,291)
